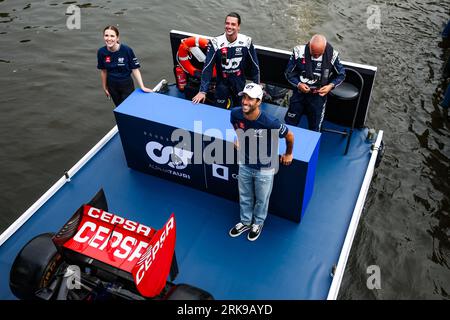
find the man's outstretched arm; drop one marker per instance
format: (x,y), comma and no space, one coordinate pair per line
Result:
(287,157)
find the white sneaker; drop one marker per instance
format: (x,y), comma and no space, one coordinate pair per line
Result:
(254,232)
(238,229)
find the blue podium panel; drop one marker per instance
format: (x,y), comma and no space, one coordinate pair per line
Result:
(148,148)
(192,144)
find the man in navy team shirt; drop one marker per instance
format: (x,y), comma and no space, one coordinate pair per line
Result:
(258,135)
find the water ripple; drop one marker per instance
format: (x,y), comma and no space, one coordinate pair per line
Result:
(405,225)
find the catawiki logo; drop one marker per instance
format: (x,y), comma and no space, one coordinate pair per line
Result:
(174,157)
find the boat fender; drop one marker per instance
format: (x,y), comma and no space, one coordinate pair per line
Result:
(333,270)
(380,154)
(67,176)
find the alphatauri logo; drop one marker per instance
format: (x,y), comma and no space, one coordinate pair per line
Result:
(174,157)
(232,63)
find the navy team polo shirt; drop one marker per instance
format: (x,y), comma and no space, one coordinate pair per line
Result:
(118,64)
(264,121)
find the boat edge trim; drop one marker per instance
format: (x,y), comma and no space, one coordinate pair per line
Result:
(58,185)
(61,182)
(345,252)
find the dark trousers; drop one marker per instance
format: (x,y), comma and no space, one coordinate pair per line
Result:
(120,90)
(311,105)
(226,97)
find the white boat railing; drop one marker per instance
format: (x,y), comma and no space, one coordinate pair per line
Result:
(62,181)
(345,252)
(58,185)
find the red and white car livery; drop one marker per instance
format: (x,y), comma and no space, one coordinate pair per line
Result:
(113,256)
(135,248)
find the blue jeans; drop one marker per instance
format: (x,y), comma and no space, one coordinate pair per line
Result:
(255,187)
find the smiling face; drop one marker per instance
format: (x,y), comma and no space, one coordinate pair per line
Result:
(111,39)
(249,105)
(232,28)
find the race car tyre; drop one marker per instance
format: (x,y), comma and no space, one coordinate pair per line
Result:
(34,267)
(187,292)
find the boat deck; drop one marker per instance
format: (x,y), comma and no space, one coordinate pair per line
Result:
(288,261)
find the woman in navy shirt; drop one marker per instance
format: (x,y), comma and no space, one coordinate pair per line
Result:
(117,62)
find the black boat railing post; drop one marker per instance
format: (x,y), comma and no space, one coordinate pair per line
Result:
(349,137)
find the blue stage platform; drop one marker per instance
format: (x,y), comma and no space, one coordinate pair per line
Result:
(146,123)
(289,261)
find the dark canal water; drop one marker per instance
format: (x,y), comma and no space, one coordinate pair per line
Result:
(53,109)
